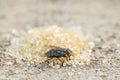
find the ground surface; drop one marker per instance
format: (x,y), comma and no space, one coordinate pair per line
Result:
(99,18)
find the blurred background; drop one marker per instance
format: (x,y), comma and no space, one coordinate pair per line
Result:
(33,13)
(97,18)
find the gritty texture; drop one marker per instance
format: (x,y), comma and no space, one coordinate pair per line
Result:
(34,45)
(99,18)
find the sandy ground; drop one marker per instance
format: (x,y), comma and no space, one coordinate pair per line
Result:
(99,18)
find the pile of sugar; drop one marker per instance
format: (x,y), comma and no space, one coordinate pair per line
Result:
(33,46)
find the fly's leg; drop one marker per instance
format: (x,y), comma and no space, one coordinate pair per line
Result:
(67,57)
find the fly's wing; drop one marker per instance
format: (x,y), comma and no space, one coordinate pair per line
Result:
(50,53)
